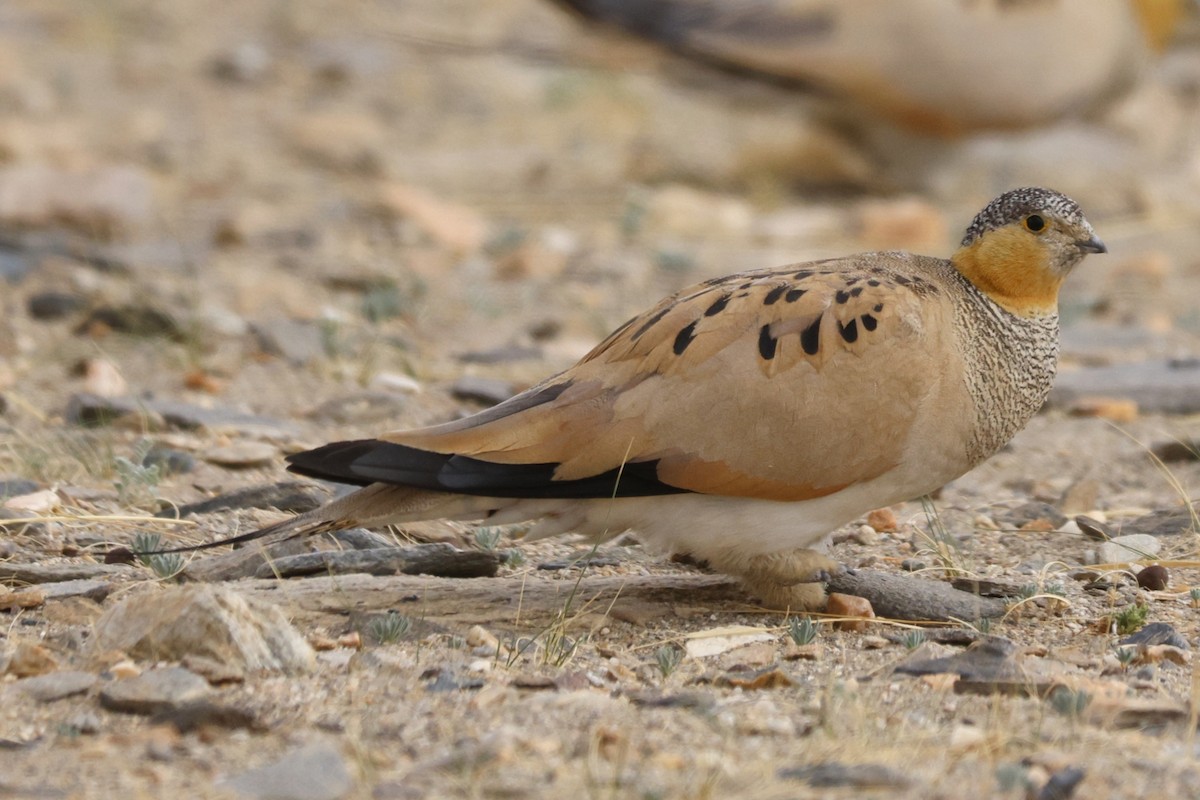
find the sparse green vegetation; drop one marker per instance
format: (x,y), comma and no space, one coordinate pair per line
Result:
(1070,702)
(488,538)
(136,483)
(802,630)
(389,628)
(164,565)
(1130,618)
(667,658)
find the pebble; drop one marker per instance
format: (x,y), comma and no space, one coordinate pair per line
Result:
(56,685)
(454,226)
(316,771)
(56,573)
(1131,547)
(479,636)
(714,641)
(132,320)
(1080,497)
(169,461)
(343,141)
(297,342)
(35,502)
(102,378)
(29,659)
(828,774)
(394,382)
(1155,578)
(91,588)
(1177,450)
(154,691)
(1156,633)
(98,202)
(290,496)
(245,63)
(211,621)
(25,598)
(488,391)
(883,520)
(198,714)
(16,487)
(1113,409)
(242,455)
(213,671)
(90,410)
(15,265)
(362,539)
(47,306)
(848,605)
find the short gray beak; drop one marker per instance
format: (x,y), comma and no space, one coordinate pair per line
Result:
(1092,245)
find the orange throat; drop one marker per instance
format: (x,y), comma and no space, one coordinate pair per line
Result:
(1013,271)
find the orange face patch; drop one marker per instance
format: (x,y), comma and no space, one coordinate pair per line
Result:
(1012,267)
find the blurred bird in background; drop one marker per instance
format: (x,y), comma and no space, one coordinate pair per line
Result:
(942,67)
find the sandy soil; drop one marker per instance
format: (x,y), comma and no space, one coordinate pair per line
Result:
(344,209)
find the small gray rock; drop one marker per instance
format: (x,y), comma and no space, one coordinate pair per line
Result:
(154,691)
(316,771)
(54,305)
(1156,633)
(90,588)
(296,342)
(488,391)
(292,496)
(89,410)
(54,573)
(210,621)
(56,685)
(15,487)
(242,455)
(858,776)
(1131,547)
(170,461)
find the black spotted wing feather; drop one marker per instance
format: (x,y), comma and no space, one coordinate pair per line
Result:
(744,385)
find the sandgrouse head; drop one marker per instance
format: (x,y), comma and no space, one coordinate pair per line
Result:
(1022,245)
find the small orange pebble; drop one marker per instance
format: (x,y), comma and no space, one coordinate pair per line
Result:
(848,605)
(883,520)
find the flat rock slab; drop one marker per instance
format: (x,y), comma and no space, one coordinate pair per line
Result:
(493,601)
(90,588)
(209,621)
(829,774)
(90,409)
(59,573)
(990,666)
(315,771)
(1171,387)
(56,685)
(437,558)
(293,496)
(154,691)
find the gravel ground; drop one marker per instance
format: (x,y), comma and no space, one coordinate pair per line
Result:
(347,218)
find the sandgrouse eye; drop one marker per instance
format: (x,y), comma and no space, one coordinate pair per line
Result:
(1035,223)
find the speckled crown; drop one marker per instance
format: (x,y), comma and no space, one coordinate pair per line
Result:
(1012,206)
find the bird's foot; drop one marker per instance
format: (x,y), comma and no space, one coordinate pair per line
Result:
(792,579)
